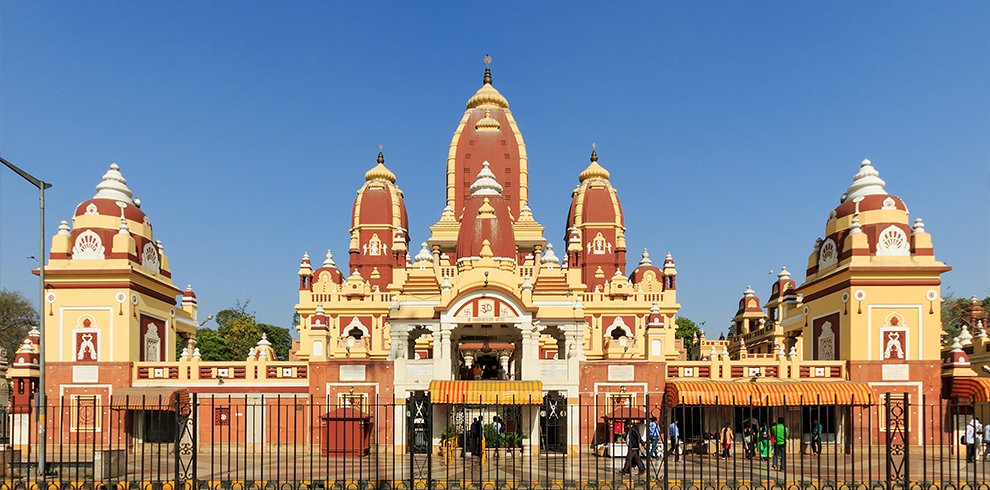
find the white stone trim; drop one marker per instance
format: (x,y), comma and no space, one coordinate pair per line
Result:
(62,329)
(869,328)
(447,316)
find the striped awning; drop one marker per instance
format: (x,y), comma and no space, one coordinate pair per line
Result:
(146,398)
(974,389)
(487,392)
(767,393)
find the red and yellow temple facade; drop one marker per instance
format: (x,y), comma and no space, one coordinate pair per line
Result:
(487,309)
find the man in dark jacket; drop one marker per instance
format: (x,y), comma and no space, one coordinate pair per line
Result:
(634,443)
(476,428)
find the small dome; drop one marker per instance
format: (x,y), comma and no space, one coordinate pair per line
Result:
(487,96)
(646,258)
(424,254)
(114,186)
(380,171)
(866,182)
(189,294)
(549,258)
(485,184)
(487,123)
(594,170)
(486,221)
(328,260)
(112,198)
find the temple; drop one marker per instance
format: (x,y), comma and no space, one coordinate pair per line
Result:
(486,314)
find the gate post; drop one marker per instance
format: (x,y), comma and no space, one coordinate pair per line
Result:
(419,437)
(185,443)
(897,425)
(665,436)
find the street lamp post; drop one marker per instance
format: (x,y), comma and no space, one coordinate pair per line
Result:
(40,397)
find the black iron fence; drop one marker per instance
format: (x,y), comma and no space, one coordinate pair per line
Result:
(286,442)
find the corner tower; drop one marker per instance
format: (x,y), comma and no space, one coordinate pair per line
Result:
(872,293)
(595,231)
(110,300)
(379,241)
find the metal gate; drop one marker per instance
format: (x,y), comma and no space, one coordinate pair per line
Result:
(419,420)
(553,422)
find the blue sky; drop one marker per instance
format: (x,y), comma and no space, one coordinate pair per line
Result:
(730,128)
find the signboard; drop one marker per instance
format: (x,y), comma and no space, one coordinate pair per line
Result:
(621,373)
(353,373)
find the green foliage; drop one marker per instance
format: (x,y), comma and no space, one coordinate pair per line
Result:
(512,439)
(686,329)
(279,337)
(450,432)
(492,437)
(213,346)
(17,316)
(236,333)
(955,313)
(241,333)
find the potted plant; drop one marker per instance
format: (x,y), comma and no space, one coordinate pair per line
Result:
(512,441)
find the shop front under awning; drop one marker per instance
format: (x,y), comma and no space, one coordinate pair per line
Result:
(487,392)
(769,393)
(972,389)
(147,398)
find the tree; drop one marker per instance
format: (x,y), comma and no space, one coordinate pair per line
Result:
(17,316)
(212,346)
(686,330)
(280,338)
(241,334)
(237,332)
(955,314)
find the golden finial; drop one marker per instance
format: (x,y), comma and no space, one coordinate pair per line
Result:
(381,156)
(594,152)
(488,70)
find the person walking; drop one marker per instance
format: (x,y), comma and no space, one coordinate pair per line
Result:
(674,437)
(634,445)
(654,435)
(749,444)
(974,429)
(816,437)
(763,446)
(986,442)
(779,433)
(476,436)
(726,437)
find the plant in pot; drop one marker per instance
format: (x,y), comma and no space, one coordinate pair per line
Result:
(512,441)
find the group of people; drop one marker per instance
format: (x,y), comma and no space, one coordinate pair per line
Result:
(767,441)
(770,441)
(475,443)
(636,449)
(479,372)
(976,435)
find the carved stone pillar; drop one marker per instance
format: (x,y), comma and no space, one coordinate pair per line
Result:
(530,351)
(399,348)
(442,364)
